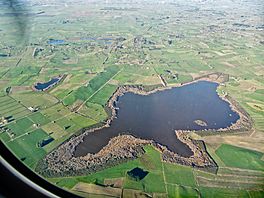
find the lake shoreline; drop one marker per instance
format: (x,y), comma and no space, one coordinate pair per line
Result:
(199,159)
(244,120)
(60,78)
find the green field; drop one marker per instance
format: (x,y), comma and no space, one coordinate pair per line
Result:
(241,158)
(150,162)
(178,174)
(21,126)
(181,191)
(26,148)
(220,192)
(175,180)
(10,107)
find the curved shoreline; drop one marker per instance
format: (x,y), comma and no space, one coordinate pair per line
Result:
(133,147)
(60,78)
(244,120)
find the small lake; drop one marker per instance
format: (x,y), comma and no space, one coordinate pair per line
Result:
(56,42)
(3,55)
(46,85)
(158,115)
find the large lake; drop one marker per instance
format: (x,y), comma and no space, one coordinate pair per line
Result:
(158,115)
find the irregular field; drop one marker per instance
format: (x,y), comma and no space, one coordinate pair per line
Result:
(26,148)
(239,157)
(175,180)
(95,189)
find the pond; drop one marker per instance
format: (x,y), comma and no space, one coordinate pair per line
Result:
(3,55)
(56,42)
(46,85)
(158,115)
(44,142)
(137,174)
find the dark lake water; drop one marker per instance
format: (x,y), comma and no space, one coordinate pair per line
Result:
(158,115)
(137,173)
(3,55)
(42,86)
